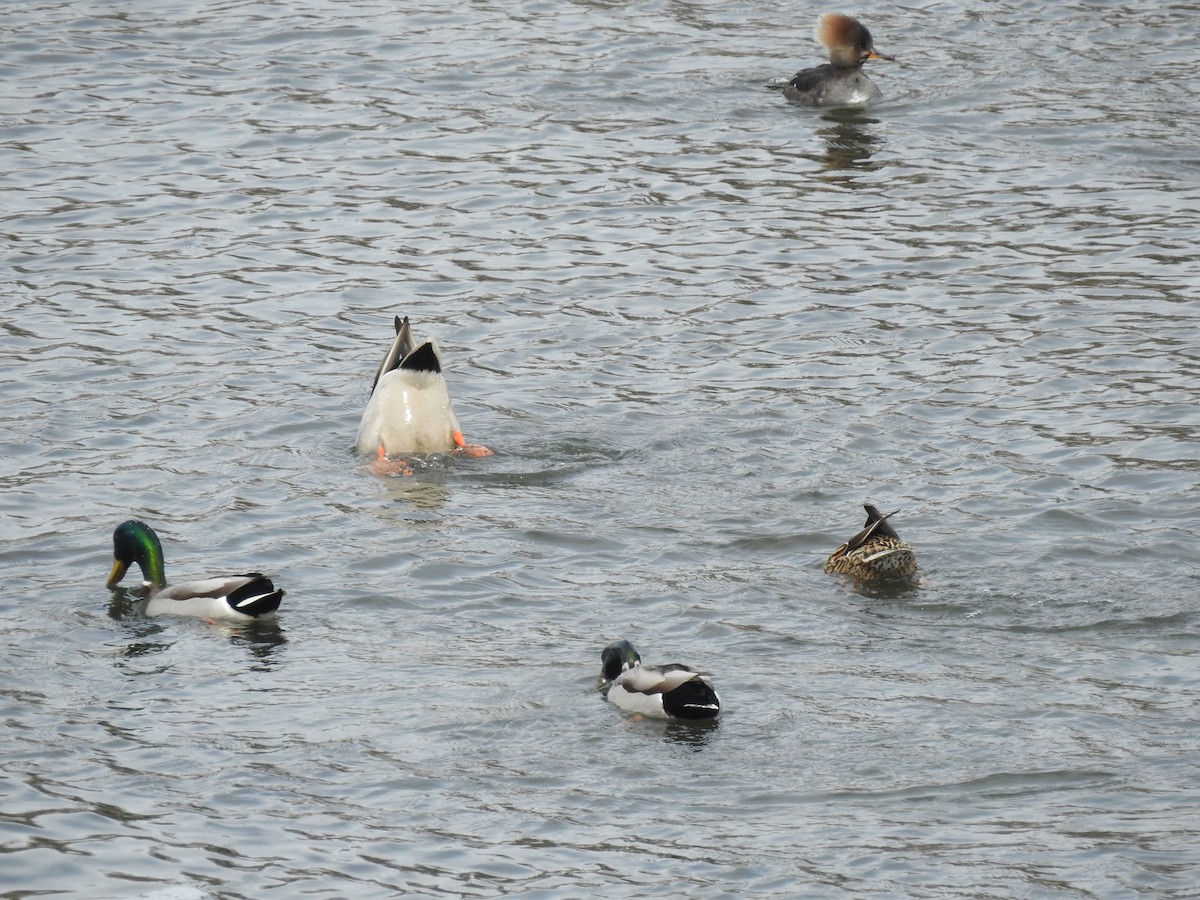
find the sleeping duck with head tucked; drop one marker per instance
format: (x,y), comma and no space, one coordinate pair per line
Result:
(409,413)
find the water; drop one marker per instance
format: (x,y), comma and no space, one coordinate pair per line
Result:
(699,328)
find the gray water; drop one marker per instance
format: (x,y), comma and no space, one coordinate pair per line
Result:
(700,328)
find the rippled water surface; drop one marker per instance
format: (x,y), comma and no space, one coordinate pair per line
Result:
(700,328)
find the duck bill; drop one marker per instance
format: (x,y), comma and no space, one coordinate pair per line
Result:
(875,54)
(118,572)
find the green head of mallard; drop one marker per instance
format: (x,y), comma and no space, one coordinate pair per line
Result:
(136,542)
(616,658)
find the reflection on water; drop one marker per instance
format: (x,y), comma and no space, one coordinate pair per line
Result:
(693,735)
(424,490)
(850,141)
(123,604)
(889,589)
(261,637)
(137,649)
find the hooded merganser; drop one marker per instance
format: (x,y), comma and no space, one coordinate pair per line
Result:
(841,81)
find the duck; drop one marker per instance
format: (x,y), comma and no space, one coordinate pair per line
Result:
(249,596)
(409,412)
(672,691)
(874,554)
(841,81)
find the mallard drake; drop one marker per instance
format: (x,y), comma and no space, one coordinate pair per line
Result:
(250,596)
(874,554)
(409,412)
(841,81)
(672,691)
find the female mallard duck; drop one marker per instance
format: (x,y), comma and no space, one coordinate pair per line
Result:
(874,554)
(409,412)
(249,596)
(665,692)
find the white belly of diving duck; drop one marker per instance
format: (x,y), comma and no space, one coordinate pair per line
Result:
(409,413)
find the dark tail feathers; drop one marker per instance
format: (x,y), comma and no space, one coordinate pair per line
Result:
(257,597)
(693,699)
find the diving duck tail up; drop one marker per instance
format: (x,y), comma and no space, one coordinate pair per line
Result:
(875,554)
(410,413)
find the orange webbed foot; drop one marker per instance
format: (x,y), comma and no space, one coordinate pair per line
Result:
(462,448)
(384,466)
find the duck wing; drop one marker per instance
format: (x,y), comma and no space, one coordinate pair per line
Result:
(877,527)
(658,679)
(402,346)
(251,595)
(804,84)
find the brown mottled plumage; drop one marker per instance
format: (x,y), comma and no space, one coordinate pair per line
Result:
(874,554)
